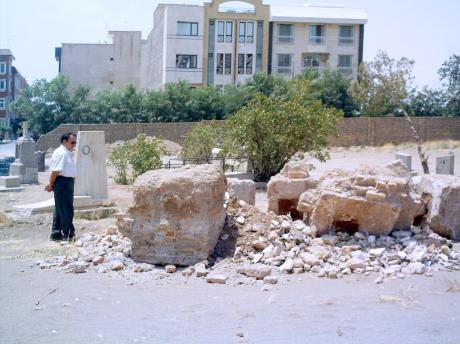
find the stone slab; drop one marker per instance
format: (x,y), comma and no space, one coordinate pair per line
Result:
(10,181)
(13,189)
(91,162)
(80,202)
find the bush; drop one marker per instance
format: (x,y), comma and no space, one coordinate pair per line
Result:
(200,142)
(119,160)
(270,130)
(145,155)
(139,156)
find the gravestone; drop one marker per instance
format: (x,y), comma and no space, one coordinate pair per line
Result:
(25,154)
(91,165)
(445,164)
(406,159)
(40,161)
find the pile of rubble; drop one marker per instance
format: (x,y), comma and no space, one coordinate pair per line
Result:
(367,221)
(293,247)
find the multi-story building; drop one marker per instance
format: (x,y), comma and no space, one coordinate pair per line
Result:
(220,44)
(12,84)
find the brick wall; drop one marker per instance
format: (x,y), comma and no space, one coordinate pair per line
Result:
(365,131)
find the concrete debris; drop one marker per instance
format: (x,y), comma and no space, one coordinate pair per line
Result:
(242,189)
(170,269)
(216,278)
(442,194)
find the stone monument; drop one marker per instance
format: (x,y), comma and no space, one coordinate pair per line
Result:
(25,165)
(445,164)
(91,161)
(406,159)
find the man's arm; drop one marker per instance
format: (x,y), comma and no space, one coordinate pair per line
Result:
(53,177)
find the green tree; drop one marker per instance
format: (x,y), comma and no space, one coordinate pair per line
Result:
(331,87)
(450,75)
(269,130)
(383,85)
(427,102)
(200,141)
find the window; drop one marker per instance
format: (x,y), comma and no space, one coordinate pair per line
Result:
(311,61)
(228,31)
(245,63)
(246,32)
(2,103)
(2,84)
(220,64)
(187,29)
(242,32)
(240,63)
(249,64)
(346,33)
(344,63)
(228,63)
(220,31)
(2,67)
(284,63)
(285,33)
(250,32)
(224,29)
(186,61)
(317,34)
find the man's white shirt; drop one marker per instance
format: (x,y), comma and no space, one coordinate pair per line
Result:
(62,161)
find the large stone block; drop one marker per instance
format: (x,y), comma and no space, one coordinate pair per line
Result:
(242,189)
(177,215)
(376,201)
(443,201)
(445,164)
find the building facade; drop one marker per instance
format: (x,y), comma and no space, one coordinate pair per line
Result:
(12,85)
(220,43)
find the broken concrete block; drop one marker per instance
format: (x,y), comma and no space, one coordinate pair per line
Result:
(242,189)
(442,194)
(177,216)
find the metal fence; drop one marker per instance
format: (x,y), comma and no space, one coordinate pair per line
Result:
(228,164)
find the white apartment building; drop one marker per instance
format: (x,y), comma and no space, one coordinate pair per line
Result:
(220,43)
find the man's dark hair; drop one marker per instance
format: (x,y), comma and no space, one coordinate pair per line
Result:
(66,136)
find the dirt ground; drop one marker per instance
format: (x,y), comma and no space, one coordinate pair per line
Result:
(49,306)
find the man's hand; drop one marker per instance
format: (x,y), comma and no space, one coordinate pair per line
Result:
(49,187)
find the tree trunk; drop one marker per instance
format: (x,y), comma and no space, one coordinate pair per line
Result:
(418,141)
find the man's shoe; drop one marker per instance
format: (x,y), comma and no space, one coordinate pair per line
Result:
(55,237)
(70,238)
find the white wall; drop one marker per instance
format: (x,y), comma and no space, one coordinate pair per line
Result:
(301,46)
(183,45)
(101,66)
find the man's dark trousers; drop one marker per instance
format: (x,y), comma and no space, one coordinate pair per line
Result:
(63,208)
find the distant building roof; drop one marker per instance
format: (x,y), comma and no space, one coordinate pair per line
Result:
(6,52)
(318,14)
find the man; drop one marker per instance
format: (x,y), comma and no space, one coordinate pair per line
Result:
(62,179)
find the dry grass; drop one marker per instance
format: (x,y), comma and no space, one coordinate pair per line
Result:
(429,145)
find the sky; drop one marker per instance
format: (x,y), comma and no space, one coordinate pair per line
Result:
(427,31)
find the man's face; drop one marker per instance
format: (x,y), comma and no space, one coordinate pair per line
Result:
(70,143)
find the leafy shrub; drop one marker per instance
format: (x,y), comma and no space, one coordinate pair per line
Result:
(200,142)
(138,156)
